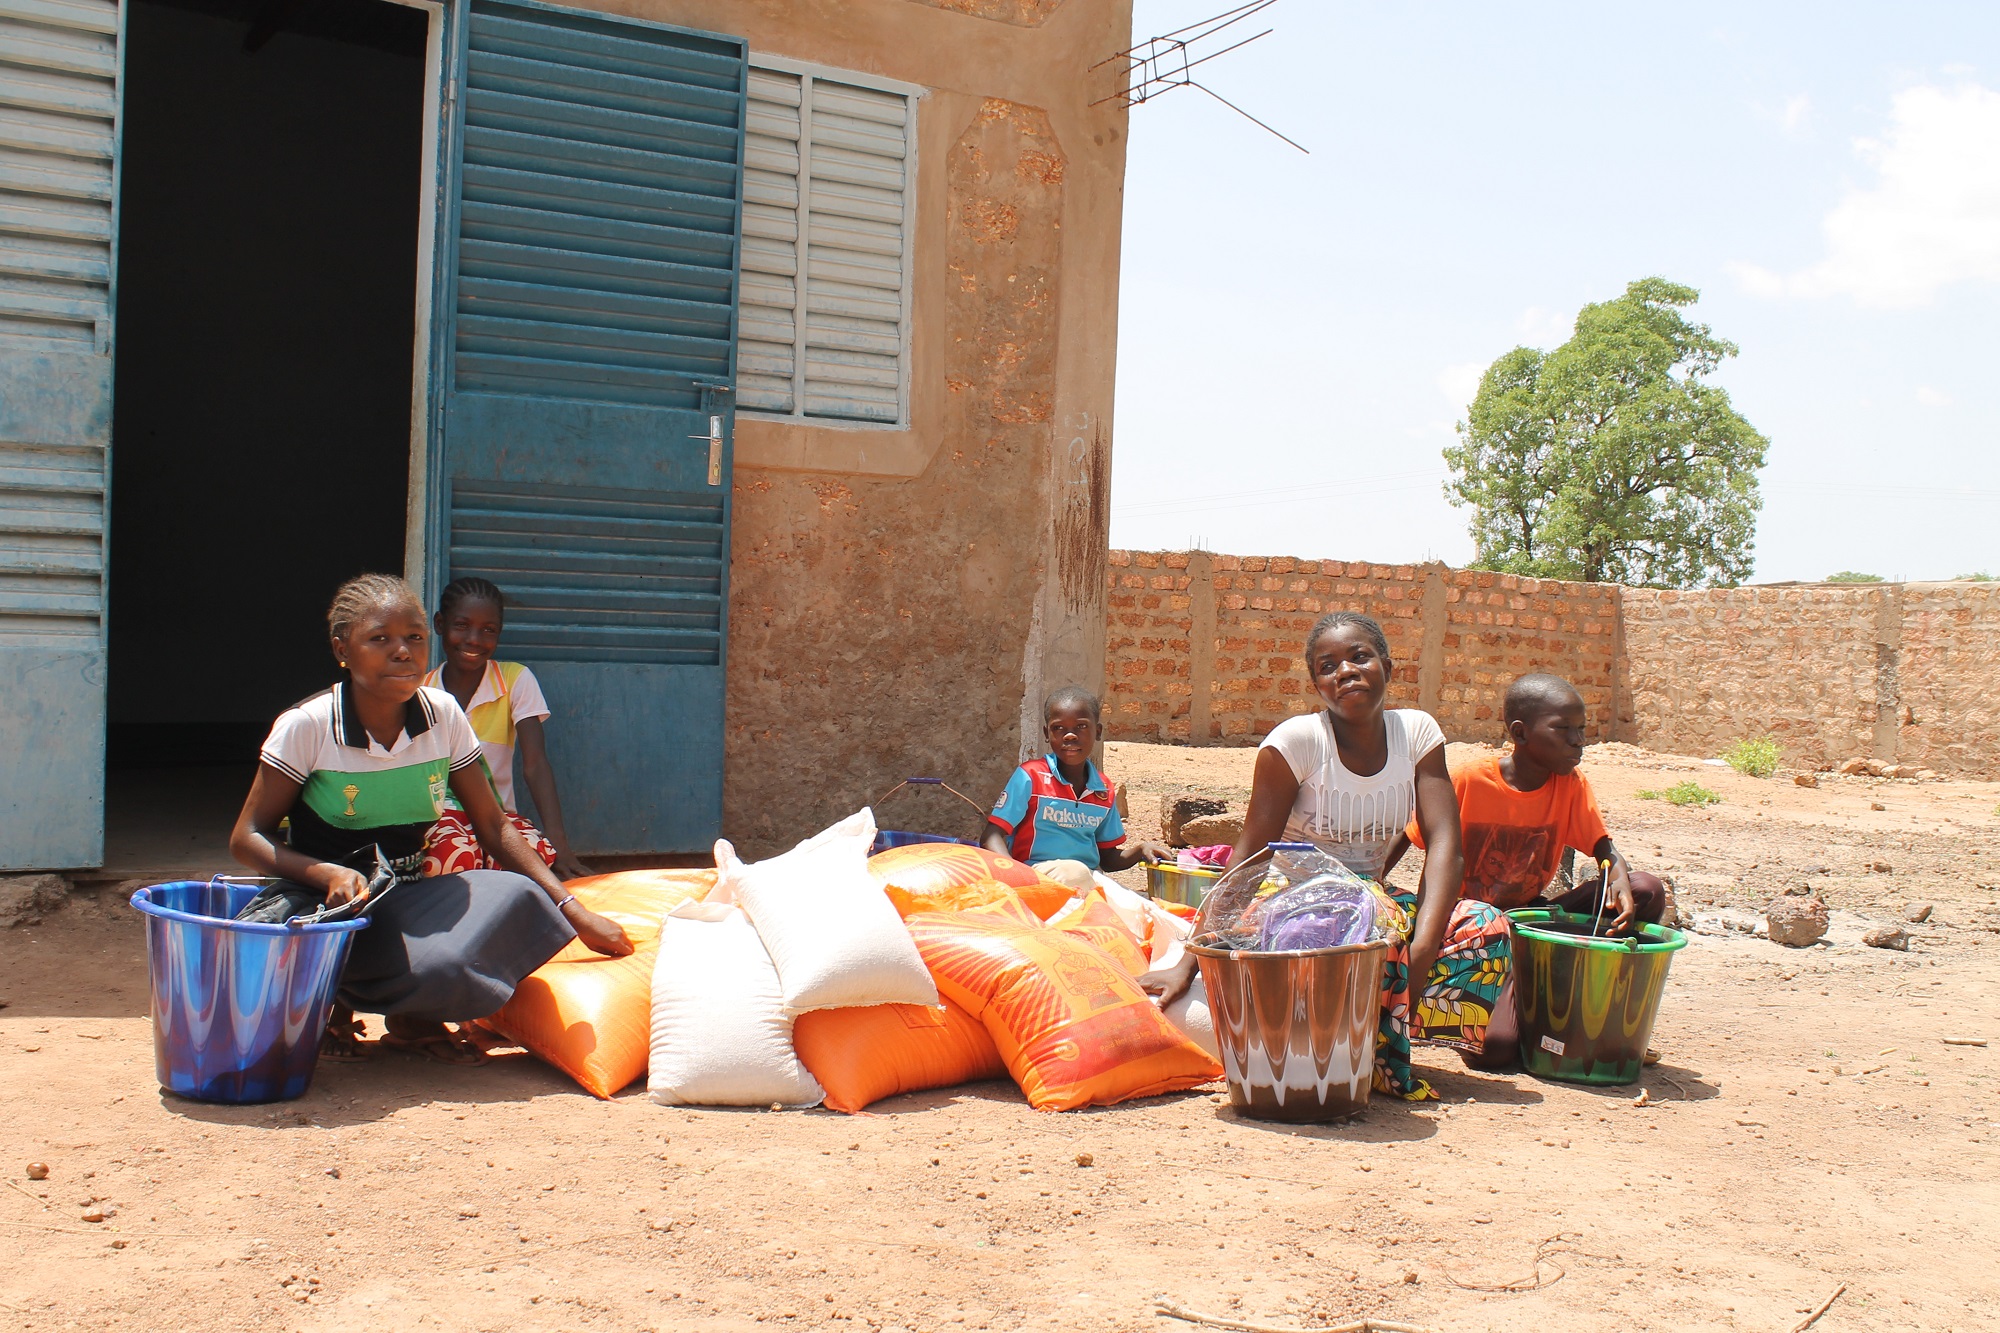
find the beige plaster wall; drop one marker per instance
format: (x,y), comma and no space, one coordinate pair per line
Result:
(1906,673)
(901,598)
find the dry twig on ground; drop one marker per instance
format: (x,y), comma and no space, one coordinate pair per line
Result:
(1166,1307)
(1824,1306)
(1533,1281)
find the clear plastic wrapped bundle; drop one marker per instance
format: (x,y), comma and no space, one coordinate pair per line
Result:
(1295,896)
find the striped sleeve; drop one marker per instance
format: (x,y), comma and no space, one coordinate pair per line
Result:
(293,745)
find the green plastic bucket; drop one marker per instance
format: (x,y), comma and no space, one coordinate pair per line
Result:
(1586,1005)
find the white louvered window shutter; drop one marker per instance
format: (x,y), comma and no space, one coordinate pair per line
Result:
(823,329)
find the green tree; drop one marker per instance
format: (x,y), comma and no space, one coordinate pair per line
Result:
(1852,576)
(1611,458)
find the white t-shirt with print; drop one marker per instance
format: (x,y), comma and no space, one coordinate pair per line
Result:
(1353,818)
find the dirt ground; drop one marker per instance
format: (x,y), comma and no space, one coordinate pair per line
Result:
(1807,1127)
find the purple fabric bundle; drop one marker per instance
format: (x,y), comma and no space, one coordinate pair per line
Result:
(1319,914)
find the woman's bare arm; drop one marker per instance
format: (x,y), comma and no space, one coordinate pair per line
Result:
(1444,866)
(1273,788)
(255,843)
(540,775)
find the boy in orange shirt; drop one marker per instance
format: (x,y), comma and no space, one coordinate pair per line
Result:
(1520,809)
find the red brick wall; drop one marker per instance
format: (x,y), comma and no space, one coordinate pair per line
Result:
(1498,627)
(1147,663)
(1207,648)
(1263,607)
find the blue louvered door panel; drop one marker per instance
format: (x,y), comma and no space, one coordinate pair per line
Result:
(587,413)
(59,90)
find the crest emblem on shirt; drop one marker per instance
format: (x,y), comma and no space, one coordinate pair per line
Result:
(439,783)
(350,791)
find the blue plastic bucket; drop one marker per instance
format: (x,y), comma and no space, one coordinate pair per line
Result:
(238,1006)
(888,837)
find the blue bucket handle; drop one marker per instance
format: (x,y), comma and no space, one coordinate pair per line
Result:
(932,782)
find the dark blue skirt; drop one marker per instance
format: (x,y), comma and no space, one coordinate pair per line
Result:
(452,948)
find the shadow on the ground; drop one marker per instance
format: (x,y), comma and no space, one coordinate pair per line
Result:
(376,1088)
(1663,1083)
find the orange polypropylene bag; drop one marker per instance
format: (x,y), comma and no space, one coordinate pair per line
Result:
(1073,1027)
(953,898)
(928,867)
(592,1016)
(862,1055)
(1093,919)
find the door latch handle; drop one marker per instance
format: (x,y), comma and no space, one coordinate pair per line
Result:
(714,438)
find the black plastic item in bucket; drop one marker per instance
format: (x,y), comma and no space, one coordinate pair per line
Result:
(1296,1029)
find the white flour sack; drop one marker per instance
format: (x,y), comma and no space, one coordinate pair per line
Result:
(833,934)
(721,1036)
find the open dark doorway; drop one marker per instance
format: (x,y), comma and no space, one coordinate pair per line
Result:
(267,311)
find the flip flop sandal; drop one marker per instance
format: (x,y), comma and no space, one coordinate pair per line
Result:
(446,1048)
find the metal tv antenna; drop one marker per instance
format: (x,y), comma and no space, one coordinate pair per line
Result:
(1162,64)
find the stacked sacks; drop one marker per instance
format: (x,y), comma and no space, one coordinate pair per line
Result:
(805,931)
(1019,996)
(930,869)
(862,1055)
(1070,1022)
(721,1035)
(589,1015)
(792,980)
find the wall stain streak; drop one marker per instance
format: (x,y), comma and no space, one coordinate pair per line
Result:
(1083,522)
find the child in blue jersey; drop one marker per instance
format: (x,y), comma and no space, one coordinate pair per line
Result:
(1058,809)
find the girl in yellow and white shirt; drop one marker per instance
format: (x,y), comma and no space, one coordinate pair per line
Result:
(505,704)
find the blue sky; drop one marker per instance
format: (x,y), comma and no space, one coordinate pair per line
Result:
(1298,333)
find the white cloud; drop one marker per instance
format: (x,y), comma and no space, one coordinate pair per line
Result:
(1932,217)
(1544,327)
(1930,397)
(1793,117)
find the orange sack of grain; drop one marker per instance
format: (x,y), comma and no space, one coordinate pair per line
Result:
(1071,1024)
(592,1016)
(953,898)
(865,1054)
(929,867)
(1095,920)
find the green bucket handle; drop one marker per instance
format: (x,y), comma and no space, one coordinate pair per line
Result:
(1650,938)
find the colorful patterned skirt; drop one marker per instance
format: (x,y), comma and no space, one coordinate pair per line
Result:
(1454,1008)
(453,848)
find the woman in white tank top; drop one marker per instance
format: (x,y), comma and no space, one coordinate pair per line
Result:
(1349,778)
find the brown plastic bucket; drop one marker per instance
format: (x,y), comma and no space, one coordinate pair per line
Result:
(1297,1029)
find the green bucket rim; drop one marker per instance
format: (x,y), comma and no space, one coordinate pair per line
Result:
(1656,939)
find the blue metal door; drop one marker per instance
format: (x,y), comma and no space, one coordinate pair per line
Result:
(588,358)
(59,82)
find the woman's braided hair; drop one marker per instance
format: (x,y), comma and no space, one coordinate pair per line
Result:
(471,588)
(365,593)
(1334,620)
